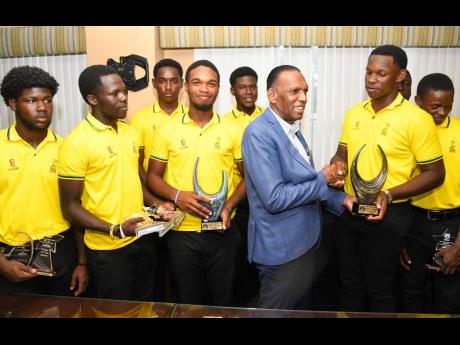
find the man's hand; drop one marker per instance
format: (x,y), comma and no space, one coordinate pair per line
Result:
(451,257)
(226,216)
(80,278)
(16,271)
(166,206)
(189,202)
(404,259)
(333,178)
(348,202)
(381,202)
(129,226)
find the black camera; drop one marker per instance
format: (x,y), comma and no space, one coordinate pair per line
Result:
(126,69)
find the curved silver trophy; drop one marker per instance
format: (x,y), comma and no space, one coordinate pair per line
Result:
(214,222)
(367,191)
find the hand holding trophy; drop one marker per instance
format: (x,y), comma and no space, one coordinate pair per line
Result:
(214,221)
(367,191)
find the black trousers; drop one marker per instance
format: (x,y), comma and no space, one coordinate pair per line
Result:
(287,286)
(127,273)
(445,289)
(203,265)
(64,261)
(368,257)
(246,280)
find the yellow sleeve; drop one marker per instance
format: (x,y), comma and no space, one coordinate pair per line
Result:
(72,160)
(344,136)
(238,138)
(160,149)
(136,122)
(424,140)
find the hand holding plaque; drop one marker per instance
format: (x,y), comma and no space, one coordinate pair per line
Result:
(367,191)
(214,222)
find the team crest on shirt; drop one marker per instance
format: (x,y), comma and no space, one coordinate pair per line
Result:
(134,147)
(53,166)
(356,125)
(453,145)
(154,127)
(111,151)
(183,144)
(217,143)
(13,165)
(385,130)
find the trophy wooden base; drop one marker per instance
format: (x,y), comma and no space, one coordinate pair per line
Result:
(364,209)
(212,226)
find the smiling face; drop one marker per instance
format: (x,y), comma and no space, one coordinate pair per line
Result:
(245,92)
(382,76)
(168,84)
(288,95)
(438,103)
(33,108)
(202,88)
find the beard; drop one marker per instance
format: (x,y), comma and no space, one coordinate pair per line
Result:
(29,125)
(202,107)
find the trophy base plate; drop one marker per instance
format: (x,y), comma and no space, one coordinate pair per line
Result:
(364,209)
(212,226)
(45,273)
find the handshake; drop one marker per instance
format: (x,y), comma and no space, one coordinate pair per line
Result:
(335,174)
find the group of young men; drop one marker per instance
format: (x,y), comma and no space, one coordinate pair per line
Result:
(85,187)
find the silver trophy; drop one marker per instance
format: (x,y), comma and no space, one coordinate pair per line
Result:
(367,191)
(444,240)
(214,222)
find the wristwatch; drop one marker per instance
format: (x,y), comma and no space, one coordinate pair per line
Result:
(389,196)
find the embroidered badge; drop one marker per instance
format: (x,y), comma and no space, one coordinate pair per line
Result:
(356,125)
(183,144)
(53,166)
(13,165)
(111,152)
(453,145)
(217,144)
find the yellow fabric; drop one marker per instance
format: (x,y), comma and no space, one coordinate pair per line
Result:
(29,195)
(147,121)
(447,195)
(242,119)
(107,162)
(406,133)
(179,143)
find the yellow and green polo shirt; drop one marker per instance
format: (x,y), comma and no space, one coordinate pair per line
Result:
(180,143)
(148,120)
(447,195)
(406,133)
(244,120)
(107,161)
(29,194)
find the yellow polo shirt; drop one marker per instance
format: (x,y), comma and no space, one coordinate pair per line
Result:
(180,143)
(107,161)
(243,120)
(406,133)
(29,195)
(147,121)
(447,195)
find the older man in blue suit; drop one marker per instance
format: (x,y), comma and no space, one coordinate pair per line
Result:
(285,194)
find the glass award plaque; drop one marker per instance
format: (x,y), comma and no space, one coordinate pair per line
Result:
(160,221)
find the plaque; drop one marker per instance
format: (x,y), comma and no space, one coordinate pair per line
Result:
(442,241)
(367,191)
(37,254)
(214,222)
(157,220)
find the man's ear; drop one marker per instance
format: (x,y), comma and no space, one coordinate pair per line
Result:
(153,83)
(12,103)
(92,100)
(271,95)
(418,100)
(232,91)
(401,75)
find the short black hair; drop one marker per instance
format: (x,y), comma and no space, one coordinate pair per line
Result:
(275,72)
(434,81)
(398,54)
(242,72)
(199,63)
(167,63)
(90,79)
(26,77)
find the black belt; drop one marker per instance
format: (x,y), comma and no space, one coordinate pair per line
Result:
(437,214)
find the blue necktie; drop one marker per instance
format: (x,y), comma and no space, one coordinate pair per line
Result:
(305,146)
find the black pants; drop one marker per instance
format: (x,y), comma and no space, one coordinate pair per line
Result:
(203,265)
(127,273)
(246,279)
(445,289)
(63,263)
(287,286)
(368,257)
